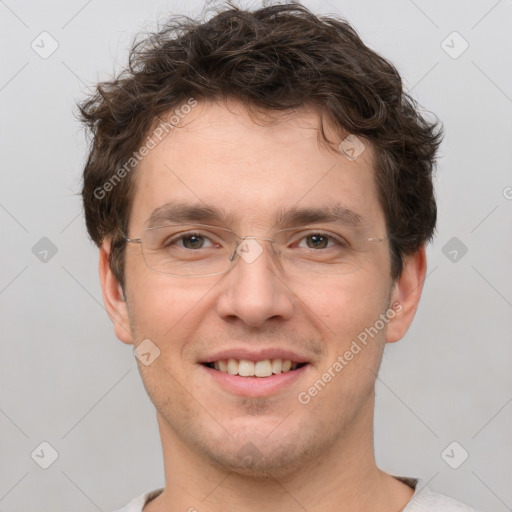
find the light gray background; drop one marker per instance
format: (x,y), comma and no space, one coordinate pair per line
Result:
(67,380)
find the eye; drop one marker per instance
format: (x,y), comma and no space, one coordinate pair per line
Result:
(320,241)
(317,241)
(190,241)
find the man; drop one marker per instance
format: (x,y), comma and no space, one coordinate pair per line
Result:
(260,188)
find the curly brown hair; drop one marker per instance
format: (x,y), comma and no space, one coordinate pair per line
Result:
(273,59)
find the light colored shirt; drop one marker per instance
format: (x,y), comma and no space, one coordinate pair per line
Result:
(423,500)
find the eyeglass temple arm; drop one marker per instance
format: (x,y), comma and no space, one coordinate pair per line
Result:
(133,240)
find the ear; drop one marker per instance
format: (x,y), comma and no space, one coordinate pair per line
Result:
(406,294)
(113,296)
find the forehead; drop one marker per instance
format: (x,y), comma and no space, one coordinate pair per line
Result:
(253,169)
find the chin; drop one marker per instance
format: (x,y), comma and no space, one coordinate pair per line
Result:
(264,449)
(270,463)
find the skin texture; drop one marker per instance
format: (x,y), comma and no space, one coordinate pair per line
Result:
(315,456)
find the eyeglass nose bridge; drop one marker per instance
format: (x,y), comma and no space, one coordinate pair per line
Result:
(242,239)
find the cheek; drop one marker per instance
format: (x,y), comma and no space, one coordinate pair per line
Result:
(166,313)
(348,312)
(163,308)
(348,305)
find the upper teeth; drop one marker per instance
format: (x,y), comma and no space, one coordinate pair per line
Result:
(246,368)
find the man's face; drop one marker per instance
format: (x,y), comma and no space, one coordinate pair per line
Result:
(257,310)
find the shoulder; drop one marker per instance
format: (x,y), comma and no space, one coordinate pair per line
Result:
(425,500)
(138,503)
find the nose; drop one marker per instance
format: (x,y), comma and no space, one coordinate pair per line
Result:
(254,290)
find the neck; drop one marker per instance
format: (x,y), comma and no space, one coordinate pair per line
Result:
(345,473)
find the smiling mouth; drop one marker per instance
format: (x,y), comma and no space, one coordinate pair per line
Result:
(246,368)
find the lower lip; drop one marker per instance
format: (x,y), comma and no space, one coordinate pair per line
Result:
(256,386)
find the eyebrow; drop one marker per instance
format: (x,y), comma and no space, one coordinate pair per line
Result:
(336,213)
(284,218)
